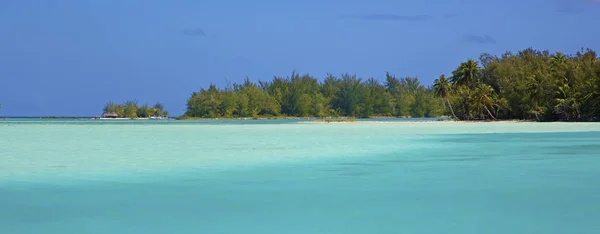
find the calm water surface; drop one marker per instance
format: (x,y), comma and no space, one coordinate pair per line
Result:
(83,176)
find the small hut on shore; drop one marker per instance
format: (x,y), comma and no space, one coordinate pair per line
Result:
(112,115)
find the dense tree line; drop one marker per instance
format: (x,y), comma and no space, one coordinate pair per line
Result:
(304,96)
(529,84)
(131,109)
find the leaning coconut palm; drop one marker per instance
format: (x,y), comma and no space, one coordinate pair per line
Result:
(499,103)
(483,97)
(441,87)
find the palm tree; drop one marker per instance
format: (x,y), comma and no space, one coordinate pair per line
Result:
(464,78)
(466,74)
(483,96)
(568,102)
(535,91)
(466,96)
(441,87)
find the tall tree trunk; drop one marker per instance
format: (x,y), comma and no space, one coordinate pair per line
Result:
(451,110)
(488,111)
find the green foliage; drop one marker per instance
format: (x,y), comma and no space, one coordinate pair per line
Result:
(529,84)
(304,96)
(131,109)
(536,85)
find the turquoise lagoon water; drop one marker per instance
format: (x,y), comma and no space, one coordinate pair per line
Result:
(82,176)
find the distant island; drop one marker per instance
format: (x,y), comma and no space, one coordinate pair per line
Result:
(530,85)
(131,110)
(527,85)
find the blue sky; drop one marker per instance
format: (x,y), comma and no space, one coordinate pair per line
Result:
(69,57)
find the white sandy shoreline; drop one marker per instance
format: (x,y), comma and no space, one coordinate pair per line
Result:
(440,122)
(462,127)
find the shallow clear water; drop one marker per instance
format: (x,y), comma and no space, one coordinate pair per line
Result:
(285,177)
